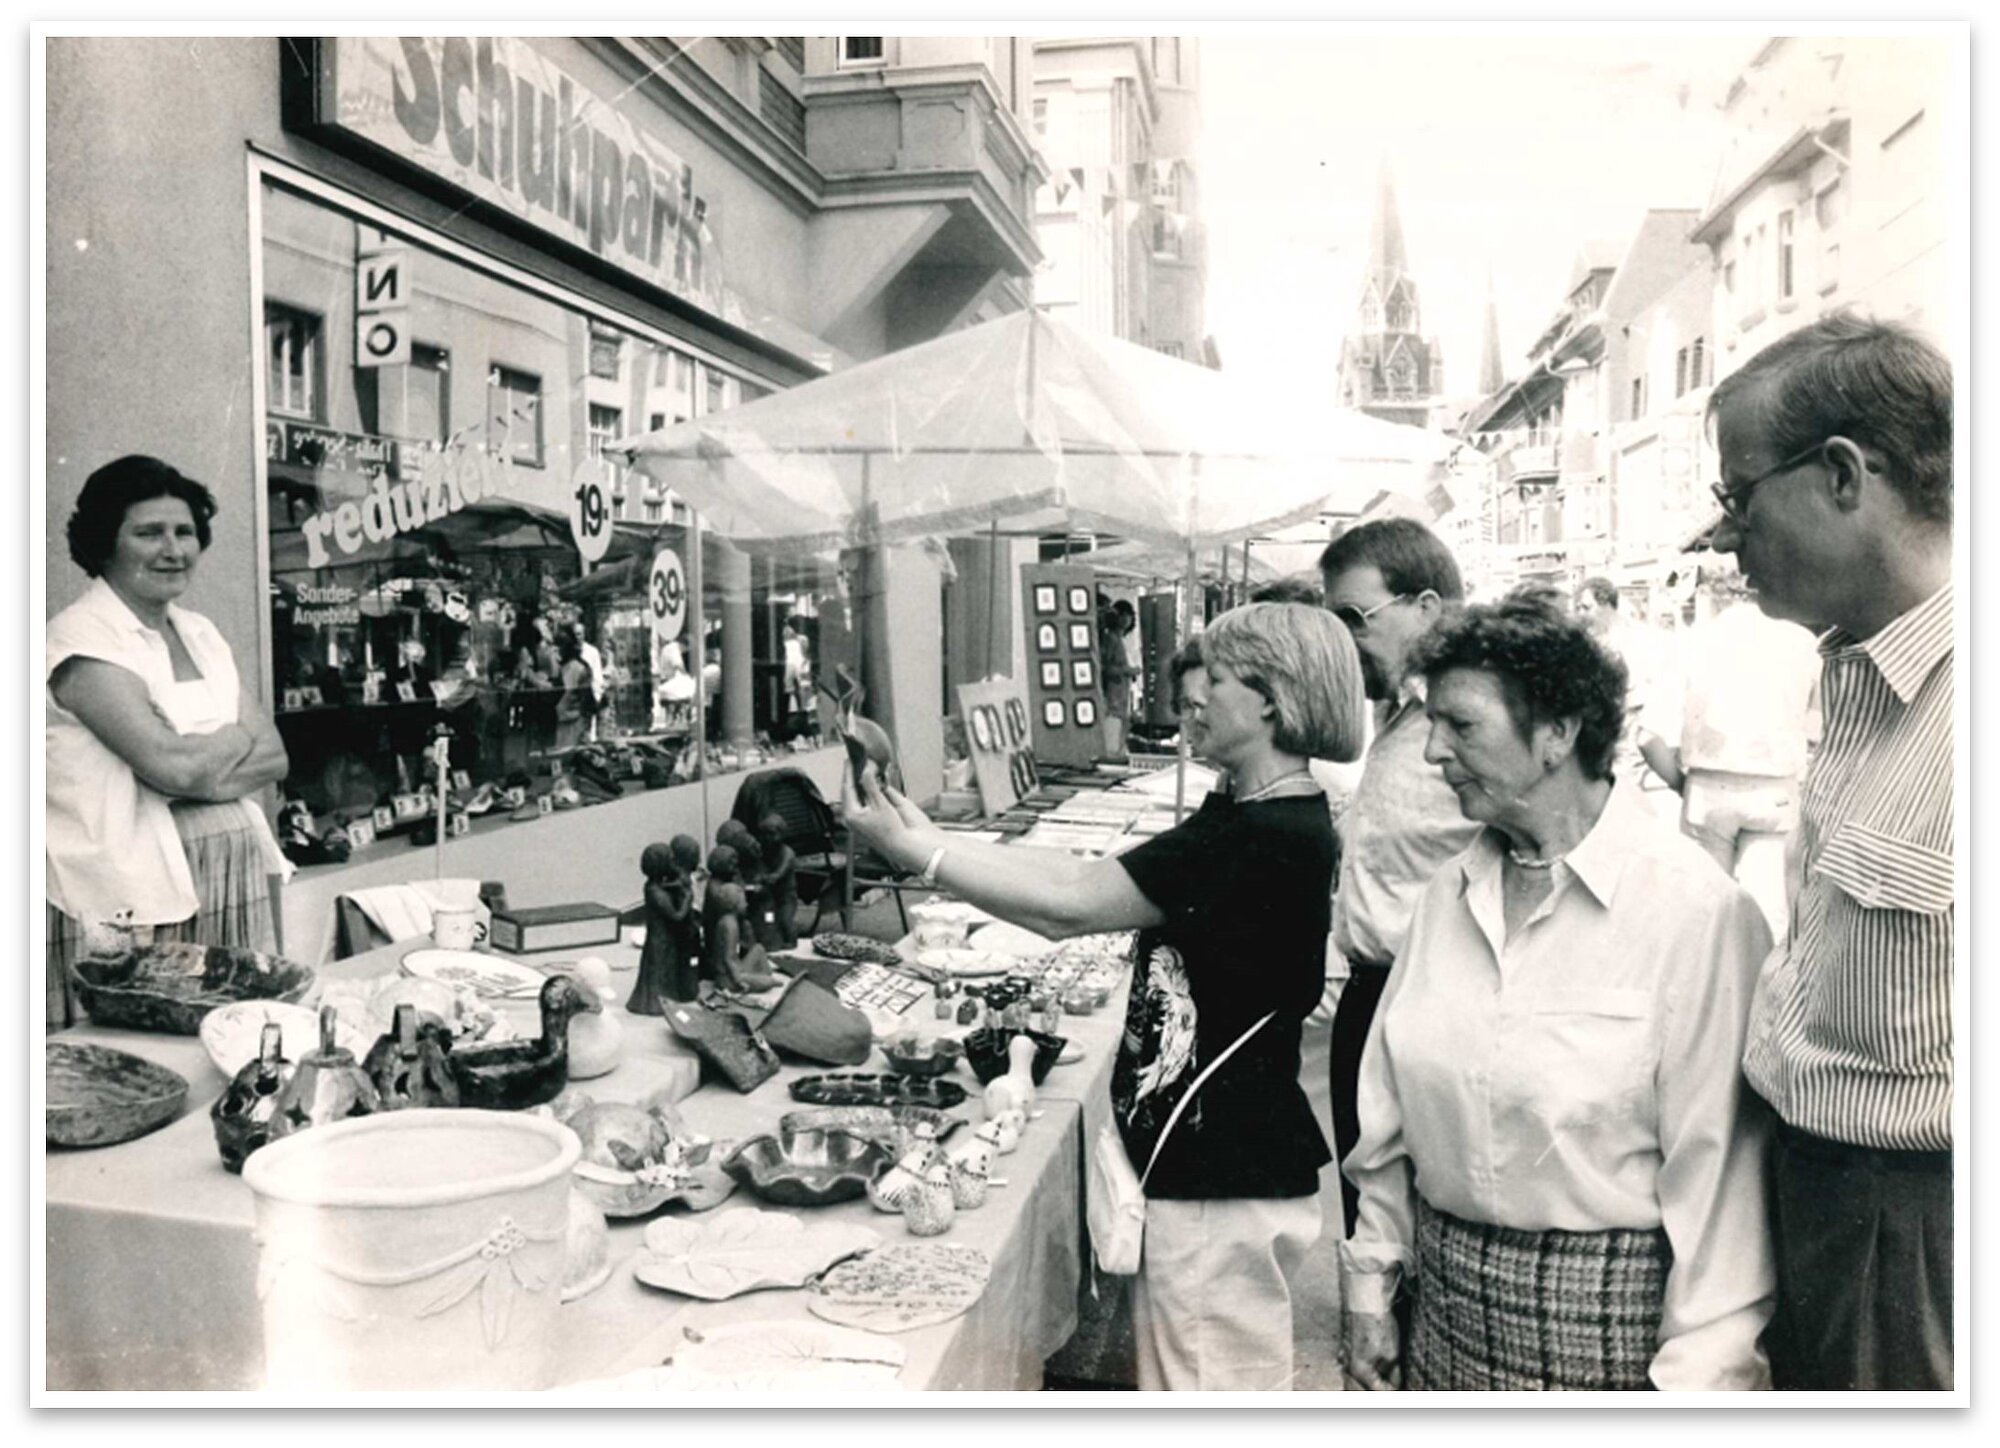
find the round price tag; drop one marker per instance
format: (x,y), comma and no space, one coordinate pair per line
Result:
(666,596)
(590,509)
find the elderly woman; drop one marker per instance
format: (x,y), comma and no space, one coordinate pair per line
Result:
(1190,692)
(1231,909)
(154,748)
(1555,1152)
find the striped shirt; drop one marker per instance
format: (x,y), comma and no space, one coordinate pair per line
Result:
(1851,1029)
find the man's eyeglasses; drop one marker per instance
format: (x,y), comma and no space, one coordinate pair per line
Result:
(1735,498)
(1356,619)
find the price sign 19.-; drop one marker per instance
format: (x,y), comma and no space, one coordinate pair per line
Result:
(666,596)
(590,509)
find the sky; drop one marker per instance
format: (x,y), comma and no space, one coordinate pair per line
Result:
(1508,152)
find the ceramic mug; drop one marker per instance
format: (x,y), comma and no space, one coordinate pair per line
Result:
(455,927)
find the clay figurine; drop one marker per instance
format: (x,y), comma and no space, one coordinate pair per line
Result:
(1008,1125)
(731,957)
(889,1190)
(596,1041)
(406,1065)
(971,1167)
(507,1075)
(928,1207)
(781,864)
(755,880)
(242,1113)
(670,961)
(1021,1070)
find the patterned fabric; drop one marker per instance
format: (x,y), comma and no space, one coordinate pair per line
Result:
(232,885)
(1501,1310)
(1851,1031)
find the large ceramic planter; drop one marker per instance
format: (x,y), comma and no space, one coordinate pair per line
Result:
(418,1249)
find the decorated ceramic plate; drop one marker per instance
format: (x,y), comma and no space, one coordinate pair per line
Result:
(741,1250)
(861,1089)
(901,1287)
(98,1096)
(486,975)
(966,964)
(231,1034)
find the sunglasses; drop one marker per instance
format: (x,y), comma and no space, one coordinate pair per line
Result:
(1735,498)
(1356,619)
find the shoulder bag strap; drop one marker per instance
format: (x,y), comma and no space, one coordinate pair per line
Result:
(1188,1095)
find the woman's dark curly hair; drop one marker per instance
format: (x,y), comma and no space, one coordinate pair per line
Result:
(1548,667)
(111,491)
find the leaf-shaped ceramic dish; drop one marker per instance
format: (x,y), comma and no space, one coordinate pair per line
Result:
(171,985)
(807,1168)
(841,1088)
(98,1096)
(231,1034)
(901,1287)
(742,1249)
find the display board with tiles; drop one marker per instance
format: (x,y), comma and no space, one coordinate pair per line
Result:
(996,730)
(1065,693)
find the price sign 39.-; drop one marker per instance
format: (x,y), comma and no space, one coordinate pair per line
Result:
(666,596)
(590,509)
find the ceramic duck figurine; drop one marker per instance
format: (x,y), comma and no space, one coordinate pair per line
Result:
(888,1190)
(1009,1125)
(507,1075)
(928,1207)
(242,1113)
(328,1086)
(407,1066)
(971,1167)
(596,1042)
(1021,1070)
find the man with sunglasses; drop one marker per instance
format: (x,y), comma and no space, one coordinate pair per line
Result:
(1836,452)
(1388,582)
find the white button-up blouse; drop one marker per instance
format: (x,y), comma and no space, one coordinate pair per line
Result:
(1583,1076)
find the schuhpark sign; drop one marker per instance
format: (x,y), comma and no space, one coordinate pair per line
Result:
(494,118)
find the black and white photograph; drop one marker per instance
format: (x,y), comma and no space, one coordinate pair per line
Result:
(548,538)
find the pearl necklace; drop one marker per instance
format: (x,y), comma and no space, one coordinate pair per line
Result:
(1528,863)
(1272,787)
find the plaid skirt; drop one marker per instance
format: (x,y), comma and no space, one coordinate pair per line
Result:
(1498,1309)
(232,887)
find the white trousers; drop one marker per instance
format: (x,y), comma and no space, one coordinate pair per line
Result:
(1212,1305)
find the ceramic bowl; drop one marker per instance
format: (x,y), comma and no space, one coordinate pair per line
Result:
(924,1058)
(807,1168)
(986,1052)
(171,986)
(98,1096)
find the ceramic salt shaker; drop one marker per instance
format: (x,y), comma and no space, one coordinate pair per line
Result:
(929,1207)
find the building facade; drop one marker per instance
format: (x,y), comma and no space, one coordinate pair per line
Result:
(1388,367)
(390,298)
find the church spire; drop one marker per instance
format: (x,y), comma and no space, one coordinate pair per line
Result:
(1492,376)
(1386,259)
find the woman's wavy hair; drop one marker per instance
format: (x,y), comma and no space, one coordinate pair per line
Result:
(1548,667)
(109,493)
(1302,659)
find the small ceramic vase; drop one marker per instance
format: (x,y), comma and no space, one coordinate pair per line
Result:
(1078,1002)
(1010,1124)
(971,1009)
(1021,1070)
(596,1042)
(971,1166)
(928,1207)
(945,1008)
(242,1113)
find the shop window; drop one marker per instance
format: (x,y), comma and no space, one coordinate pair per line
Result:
(861,50)
(292,384)
(514,415)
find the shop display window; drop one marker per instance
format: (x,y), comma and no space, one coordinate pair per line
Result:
(422,567)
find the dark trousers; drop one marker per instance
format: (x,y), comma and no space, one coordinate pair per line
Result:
(1351,1019)
(1864,1248)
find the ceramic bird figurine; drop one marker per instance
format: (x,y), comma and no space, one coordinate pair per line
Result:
(1021,1070)
(971,1166)
(595,1041)
(507,1075)
(1009,1124)
(1002,1094)
(407,1065)
(888,1190)
(929,1206)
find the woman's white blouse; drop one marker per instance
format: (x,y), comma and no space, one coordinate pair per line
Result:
(111,841)
(1585,1075)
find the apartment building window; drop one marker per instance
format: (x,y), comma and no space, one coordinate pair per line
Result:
(604,355)
(292,385)
(427,408)
(1785,275)
(1041,114)
(1639,397)
(861,50)
(1829,208)
(514,415)
(1696,362)
(1680,372)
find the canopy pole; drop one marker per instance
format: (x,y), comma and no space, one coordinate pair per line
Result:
(992,591)
(699,650)
(1181,736)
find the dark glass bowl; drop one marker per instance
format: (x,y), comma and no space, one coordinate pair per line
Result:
(808,1168)
(986,1052)
(931,1058)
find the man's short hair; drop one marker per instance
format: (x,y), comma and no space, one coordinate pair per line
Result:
(1294,588)
(1877,383)
(1601,589)
(1408,555)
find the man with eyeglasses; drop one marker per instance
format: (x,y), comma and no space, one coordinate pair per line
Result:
(1388,581)
(1836,452)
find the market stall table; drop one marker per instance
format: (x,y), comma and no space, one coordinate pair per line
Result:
(151,1263)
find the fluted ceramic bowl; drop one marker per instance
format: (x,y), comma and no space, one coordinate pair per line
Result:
(807,1168)
(986,1052)
(923,1058)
